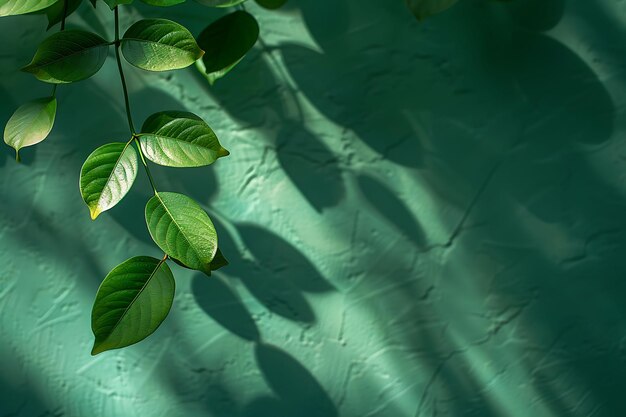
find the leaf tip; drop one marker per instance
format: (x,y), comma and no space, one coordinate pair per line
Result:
(27,68)
(222,152)
(97,348)
(94,212)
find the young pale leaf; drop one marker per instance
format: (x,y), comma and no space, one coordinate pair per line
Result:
(271,4)
(107,175)
(425,8)
(13,7)
(68,56)
(132,301)
(219,3)
(226,41)
(30,124)
(179,139)
(180,227)
(160,45)
(163,3)
(57,10)
(114,3)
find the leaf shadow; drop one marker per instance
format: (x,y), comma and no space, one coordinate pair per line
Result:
(311,166)
(305,398)
(219,301)
(392,208)
(281,259)
(257,98)
(272,270)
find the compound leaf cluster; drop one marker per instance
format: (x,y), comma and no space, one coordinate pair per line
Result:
(136,296)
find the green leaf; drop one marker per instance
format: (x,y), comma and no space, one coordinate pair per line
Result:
(425,8)
(179,139)
(55,12)
(271,4)
(180,227)
(226,41)
(68,56)
(219,3)
(163,3)
(107,175)
(159,45)
(30,124)
(14,7)
(132,301)
(114,3)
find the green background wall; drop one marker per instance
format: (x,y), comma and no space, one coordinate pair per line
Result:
(422,219)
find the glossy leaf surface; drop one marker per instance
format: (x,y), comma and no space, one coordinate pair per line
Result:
(179,139)
(159,45)
(107,175)
(226,41)
(31,123)
(132,301)
(68,56)
(14,7)
(182,229)
(425,8)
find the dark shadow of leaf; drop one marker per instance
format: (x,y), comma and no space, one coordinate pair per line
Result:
(266,284)
(277,295)
(249,93)
(220,302)
(297,389)
(265,406)
(311,166)
(349,98)
(282,260)
(391,208)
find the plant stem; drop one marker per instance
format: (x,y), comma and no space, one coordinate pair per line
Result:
(65,2)
(119,67)
(145,164)
(126,99)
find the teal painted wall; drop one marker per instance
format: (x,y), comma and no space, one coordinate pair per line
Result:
(422,219)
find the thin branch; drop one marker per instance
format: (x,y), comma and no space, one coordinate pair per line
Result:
(145,164)
(129,116)
(65,2)
(121,71)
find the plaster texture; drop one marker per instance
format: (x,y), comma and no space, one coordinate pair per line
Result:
(422,219)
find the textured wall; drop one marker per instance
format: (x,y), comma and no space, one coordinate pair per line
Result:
(422,220)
